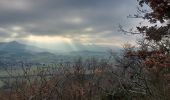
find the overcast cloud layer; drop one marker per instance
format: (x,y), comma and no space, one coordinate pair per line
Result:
(89,22)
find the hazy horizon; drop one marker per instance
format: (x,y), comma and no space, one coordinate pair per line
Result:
(67,25)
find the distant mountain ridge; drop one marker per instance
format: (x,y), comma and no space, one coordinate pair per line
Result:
(13,52)
(12,46)
(15,46)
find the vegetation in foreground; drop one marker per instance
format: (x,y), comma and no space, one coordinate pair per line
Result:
(139,74)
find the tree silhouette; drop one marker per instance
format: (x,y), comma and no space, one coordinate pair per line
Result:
(154,49)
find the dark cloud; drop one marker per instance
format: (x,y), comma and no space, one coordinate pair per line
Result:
(65,17)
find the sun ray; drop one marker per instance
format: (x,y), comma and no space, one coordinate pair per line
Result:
(52,42)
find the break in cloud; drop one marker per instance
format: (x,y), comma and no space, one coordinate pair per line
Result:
(82,22)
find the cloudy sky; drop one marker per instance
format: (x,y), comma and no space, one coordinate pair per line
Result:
(66,24)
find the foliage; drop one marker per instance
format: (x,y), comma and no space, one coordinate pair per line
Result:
(153,51)
(141,73)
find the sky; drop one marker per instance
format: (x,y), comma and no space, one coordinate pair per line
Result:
(67,24)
